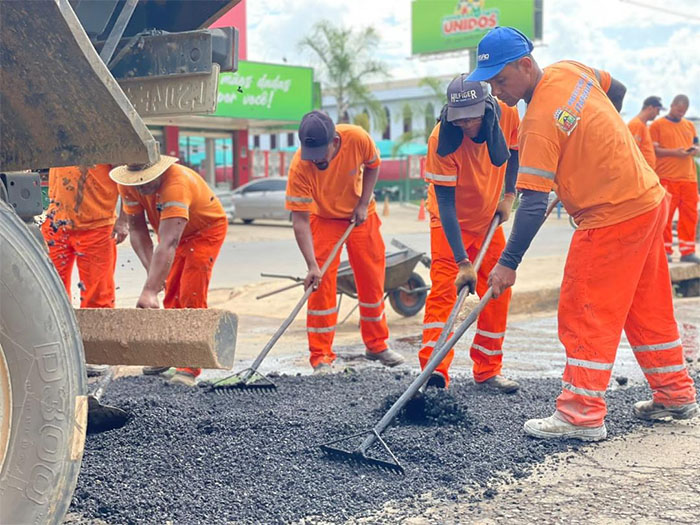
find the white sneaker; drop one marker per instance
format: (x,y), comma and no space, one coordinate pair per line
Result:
(554,427)
(182,377)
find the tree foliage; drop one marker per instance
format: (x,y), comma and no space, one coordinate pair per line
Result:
(346,63)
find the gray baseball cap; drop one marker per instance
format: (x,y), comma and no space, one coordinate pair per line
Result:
(465,99)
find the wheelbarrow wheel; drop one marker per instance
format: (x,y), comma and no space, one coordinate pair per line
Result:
(409,304)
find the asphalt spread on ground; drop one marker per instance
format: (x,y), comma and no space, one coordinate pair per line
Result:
(191,456)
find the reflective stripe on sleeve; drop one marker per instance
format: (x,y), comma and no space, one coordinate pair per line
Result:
(440,178)
(322,312)
(583,391)
(664,369)
(320,330)
(486,350)
(591,365)
(174,204)
(371,161)
(304,200)
(659,346)
(490,335)
(536,171)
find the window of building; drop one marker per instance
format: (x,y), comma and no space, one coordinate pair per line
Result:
(290,140)
(386,135)
(256,141)
(407,120)
(273,141)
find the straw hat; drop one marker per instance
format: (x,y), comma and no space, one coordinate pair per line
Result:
(129,175)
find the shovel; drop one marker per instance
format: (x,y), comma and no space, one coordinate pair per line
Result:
(103,417)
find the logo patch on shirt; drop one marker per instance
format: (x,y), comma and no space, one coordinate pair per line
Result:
(566,120)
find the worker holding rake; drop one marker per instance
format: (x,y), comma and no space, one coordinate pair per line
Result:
(466,168)
(331,183)
(616,275)
(191,226)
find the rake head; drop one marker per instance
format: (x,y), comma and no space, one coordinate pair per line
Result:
(245,381)
(359,455)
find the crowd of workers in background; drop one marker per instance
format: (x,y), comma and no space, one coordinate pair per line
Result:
(622,184)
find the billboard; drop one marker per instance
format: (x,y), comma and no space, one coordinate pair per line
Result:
(448,25)
(263,91)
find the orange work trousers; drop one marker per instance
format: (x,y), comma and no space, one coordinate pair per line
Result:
(365,248)
(95,253)
(486,347)
(616,277)
(684,198)
(187,284)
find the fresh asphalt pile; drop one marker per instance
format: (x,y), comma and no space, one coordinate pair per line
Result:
(190,456)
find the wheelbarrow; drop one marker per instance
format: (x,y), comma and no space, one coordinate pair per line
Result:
(405,289)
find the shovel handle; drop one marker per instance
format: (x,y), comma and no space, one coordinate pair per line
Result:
(279,290)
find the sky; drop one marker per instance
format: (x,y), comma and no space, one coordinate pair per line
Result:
(650,51)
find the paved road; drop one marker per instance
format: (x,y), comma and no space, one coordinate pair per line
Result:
(241,263)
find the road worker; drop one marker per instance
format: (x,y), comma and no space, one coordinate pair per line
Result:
(640,131)
(466,166)
(191,226)
(616,275)
(675,144)
(331,183)
(82,227)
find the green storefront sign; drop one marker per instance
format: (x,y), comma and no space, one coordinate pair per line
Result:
(448,25)
(266,92)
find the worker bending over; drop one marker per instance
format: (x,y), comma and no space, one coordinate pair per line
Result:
(466,166)
(331,183)
(640,130)
(616,275)
(675,143)
(191,227)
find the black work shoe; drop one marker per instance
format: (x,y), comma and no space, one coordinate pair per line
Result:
(154,370)
(651,411)
(691,258)
(437,380)
(500,384)
(386,357)
(95,370)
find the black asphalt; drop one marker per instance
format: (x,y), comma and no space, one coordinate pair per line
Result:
(189,456)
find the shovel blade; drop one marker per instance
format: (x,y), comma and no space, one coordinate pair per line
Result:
(102,418)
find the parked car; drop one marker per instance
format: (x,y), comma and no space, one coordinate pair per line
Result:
(226,198)
(261,199)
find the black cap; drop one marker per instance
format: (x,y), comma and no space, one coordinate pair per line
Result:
(316,132)
(653,101)
(465,99)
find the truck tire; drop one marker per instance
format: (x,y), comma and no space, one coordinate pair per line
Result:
(43,403)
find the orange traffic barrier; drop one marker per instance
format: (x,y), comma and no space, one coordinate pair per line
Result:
(385,211)
(421,210)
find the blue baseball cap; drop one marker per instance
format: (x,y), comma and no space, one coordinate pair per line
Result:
(499,47)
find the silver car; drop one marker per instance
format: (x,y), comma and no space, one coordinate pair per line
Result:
(261,199)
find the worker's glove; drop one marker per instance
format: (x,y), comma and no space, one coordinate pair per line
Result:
(505,207)
(466,276)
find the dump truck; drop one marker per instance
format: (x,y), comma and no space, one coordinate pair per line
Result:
(77,77)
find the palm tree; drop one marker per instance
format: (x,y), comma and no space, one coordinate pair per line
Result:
(347,62)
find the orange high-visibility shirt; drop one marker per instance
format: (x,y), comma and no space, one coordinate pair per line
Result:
(182,193)
(82,198)
(334,192)
(672,135)
(478,182)
(640,132)
(572,136)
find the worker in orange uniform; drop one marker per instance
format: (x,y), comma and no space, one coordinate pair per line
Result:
(616,275)
(82,227)
(331,183)
(466,169)
(640,130)
(675,143)
(191,226)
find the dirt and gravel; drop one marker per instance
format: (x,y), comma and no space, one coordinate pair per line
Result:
(188,456)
